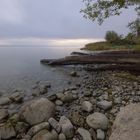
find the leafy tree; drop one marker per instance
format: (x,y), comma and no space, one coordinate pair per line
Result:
(102,9)
(135,27)
(112,37)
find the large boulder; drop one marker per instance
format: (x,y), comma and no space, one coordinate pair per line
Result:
(127,124)
(37,111)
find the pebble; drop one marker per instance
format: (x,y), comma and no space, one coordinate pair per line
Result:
(100,134)
(62,137)
(67,127)
(97,121)
(59,102)
(55,125)
(87,106)
(105,105)
(84,134)
(3,114)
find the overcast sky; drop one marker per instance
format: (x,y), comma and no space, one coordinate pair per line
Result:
(54,19)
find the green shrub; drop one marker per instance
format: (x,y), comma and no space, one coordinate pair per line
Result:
(112,37)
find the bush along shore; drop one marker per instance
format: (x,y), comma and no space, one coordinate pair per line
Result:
(86,110)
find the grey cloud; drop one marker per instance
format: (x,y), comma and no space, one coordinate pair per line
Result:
(54,19)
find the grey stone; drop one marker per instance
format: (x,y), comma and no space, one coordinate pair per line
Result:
(55,125)
(4,101)
(100,134)
(45,135)
(67,98)
(3,114)
(118,100)
(105,105)
(37,111)
(127,124)
(67,127)
(21,127)
(52,97)
(59,95)
(93,133)
(73,73)
(16,97)
(62,137)
(84,134)
(7,131)
(87,106)
(97,121)
(58,102)
(35,129)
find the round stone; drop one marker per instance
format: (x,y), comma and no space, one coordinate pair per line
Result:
(97,121)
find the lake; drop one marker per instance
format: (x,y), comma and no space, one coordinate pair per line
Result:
(20,66)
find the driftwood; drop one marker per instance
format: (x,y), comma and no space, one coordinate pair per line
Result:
(121,60)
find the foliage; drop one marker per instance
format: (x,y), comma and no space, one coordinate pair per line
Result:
(116,42)
(99,46)
(112,37)
(102,9)
(135,27)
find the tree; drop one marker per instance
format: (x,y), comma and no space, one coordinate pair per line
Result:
(135,27)
(112,37)
(102,9)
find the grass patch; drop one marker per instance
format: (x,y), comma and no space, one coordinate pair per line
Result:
(100,46)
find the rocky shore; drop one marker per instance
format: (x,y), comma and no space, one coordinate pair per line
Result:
(85,110)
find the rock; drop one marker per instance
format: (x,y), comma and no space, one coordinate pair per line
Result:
(93,134)
(35,129)
(67,127)
(4,101)
(87,93)
(16,97)
(59,95)
(77,119)
(7,131)
(55,125)
(87,106)
(59,102)
(2,92)
(37,111)
(100,134)
(3,114)
(45,135)
(21,127)
(105,105)
(84,134)
(73,73)
(117,100)
(127,124)
(67,98)
(43,89)
(52,97)
(62,137)
(97,121)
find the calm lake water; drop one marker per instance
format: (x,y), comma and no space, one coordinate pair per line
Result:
(20,66)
